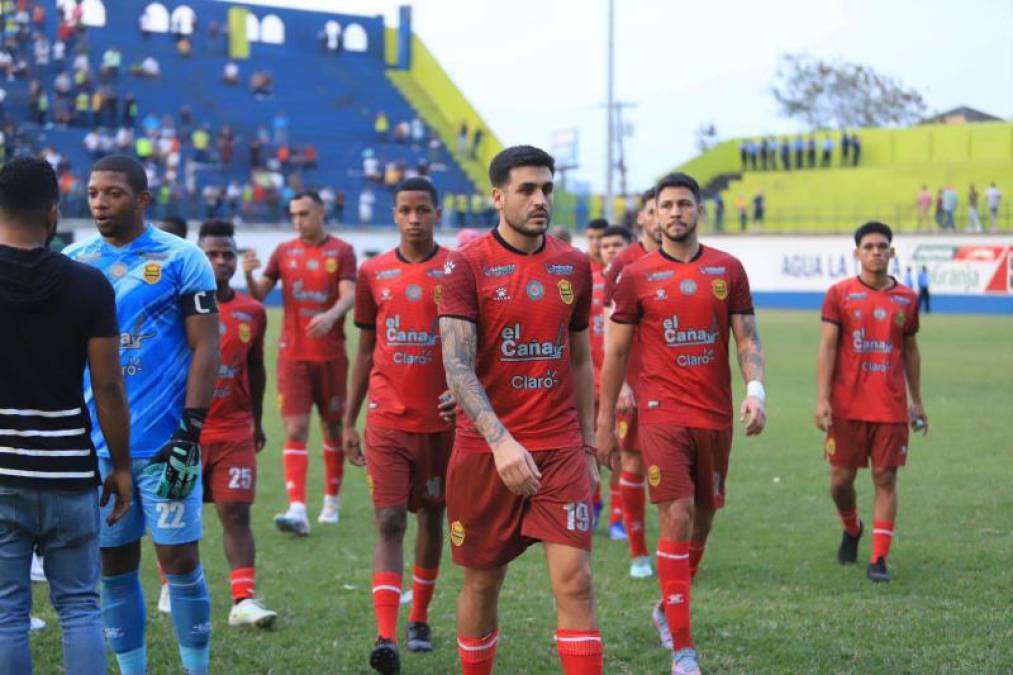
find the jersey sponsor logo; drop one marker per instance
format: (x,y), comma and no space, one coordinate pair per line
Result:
(438,293)
(654,475)
(899,318)
(501,294)
(405,359)
(693,360)
(535,290)
(720,288)
(413,292)
(387,274)
(331,265)
(660,276)
(547,381)
(88,256)
(331,254)
(863,346)
(242,316)
(879,313)
(131,367)
(831,446)
(653,405)
(874,367)
(499,270)
(151,255)
(513,347)
(448,267)
(559,270)
(598,324)
(456,533)
(856,296)
(312,264)
(411,337)
(688,337)
(900,299)
(565,291)
(296,251)
(227,372)
(687,287)
(307,296)
(117,270)
(598,287)
(434,487)
(434,274)
(713,270)
(135,339)
(244,332)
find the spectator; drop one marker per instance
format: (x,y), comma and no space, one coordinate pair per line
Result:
(230,74)
(418,131)
(447,210)
(381,125)
(828,151)
(112,106)
(924,298)
(742,206)
(462,139)
(477,205)
(785,154)
(856,150)
(130,110)
(950,200)
(940,214)
(476,142)
(233,195)
(62,84)
(201,139)
(366,201)
(371,166)
(744,154)
(41,49)
(183,47)
(98,104)
(771,152)
(992,198)
(461,209)
(758,210)
(260,84)
(255,148)
(59,53)
(124,139)
(466,235)
(798,145)
(402,132)
(81,107)
(763,154)
(909,280)
(753,152)
(309,156)
(280,125)
(339,205)
(144,148)
(226,144)
(91,144)
(924,203)
(845,147)
(41,108)
(973,221)
(810,150)
(719,213)
(112,60)
(391,175)
(174,225)
(148,68)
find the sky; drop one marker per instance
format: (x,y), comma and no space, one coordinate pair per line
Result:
(535,67)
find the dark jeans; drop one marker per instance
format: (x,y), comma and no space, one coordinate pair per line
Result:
(924,301)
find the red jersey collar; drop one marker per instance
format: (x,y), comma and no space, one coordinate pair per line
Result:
(696,256)
(429,256)
(858,277)
(505,244)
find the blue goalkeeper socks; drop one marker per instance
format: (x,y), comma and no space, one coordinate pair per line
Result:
(191,616)
(123,617)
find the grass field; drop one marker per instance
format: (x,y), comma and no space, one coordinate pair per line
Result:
(770,597)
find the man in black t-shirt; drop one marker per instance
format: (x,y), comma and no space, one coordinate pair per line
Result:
(58,316)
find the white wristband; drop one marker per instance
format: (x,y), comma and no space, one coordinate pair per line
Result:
(755,388)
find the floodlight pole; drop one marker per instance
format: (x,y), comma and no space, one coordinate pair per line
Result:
(610,107)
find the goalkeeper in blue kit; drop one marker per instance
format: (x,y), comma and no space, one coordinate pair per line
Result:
(165,305)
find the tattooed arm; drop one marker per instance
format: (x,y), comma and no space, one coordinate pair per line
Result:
(514,463)
(751,363)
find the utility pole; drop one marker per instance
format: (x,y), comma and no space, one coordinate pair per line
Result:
(610,108)
(621,133)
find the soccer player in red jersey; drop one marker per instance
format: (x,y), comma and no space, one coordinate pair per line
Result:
(593,233)
(232,434)
(868,354)
(317,272)
(680,303)
(514,317)
(407,439)
(631,480)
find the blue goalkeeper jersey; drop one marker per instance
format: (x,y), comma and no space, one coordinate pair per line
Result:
(159,280)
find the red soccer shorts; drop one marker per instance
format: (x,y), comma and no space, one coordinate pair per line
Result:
(229,470)
(626,431)
(301,384)
(852,443)
(490,526)
(686,462)
(406,468)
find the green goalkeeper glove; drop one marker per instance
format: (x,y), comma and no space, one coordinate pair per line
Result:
(176,465)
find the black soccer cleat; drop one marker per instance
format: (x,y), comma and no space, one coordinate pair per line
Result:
(876,571)
(419,637)
(847,552)
(384,658)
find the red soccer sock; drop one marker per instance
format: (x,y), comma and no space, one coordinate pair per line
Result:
(849,519)
(244,583)
(386,600)
(295,462)
(673,576)
(696,551)
(882,537)
(616,499)
(423,587)
(477,654)
(580,651)
(334,468)
(596,500)
(631,486)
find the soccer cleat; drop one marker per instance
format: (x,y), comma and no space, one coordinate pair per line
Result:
(660,622)
(330,514)
(249,612)
(38,573)
(407,597)
(847,552)
(640,568)
(164,603)
(419,637)
(684,662)
(617,532)
(294,522)
(384,657)
(36,624)
(877,572)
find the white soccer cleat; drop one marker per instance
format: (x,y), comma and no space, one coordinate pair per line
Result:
(294,520)
(640,568)
(684,662)
(36,624)
(38,572)
(331,513)
(660,622)
(249,612)
(407,597)
(164,603)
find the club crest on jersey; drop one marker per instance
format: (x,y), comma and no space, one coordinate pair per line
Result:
(622,429)
(456,533)
(687,287)
(312,264)
(413,292)
(831,447)
(438,294)
(370,484)
(331,265)
(720,289)
(117,270)
(654,475)
(879,313)
(245,333)
(535,290)
(899,318)
(565,291)
(152,273)
(560,270)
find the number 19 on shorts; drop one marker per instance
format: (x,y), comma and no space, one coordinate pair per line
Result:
(578,516)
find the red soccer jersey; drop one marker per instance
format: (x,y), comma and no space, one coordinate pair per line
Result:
(597,330)
(241,325)
(630,254)
(525,307)
(309,276)
(868,381)
(397,299)
(683,315)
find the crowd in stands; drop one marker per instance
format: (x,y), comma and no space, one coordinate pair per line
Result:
(786,154)
(944,206)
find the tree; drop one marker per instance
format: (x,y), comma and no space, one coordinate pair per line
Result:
(840,94)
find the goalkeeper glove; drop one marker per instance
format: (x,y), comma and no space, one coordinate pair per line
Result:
(176,465)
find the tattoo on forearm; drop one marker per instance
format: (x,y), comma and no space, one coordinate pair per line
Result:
(750,350)
(460,344)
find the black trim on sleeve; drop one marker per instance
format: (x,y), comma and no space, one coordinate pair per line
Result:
(625,323)
(836,323)
(365,326)
(457,316)
(574,329)
(748,312)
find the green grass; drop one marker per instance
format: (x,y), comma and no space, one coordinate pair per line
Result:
(769,599)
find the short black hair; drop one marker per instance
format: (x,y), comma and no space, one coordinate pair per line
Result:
(174,225)
(647,196)
(216,228)
(679,179)
(873,227)
(598,224)
(417,184)
(311,194)
(618,230)
(137,178)
(28,185)
(515,156)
